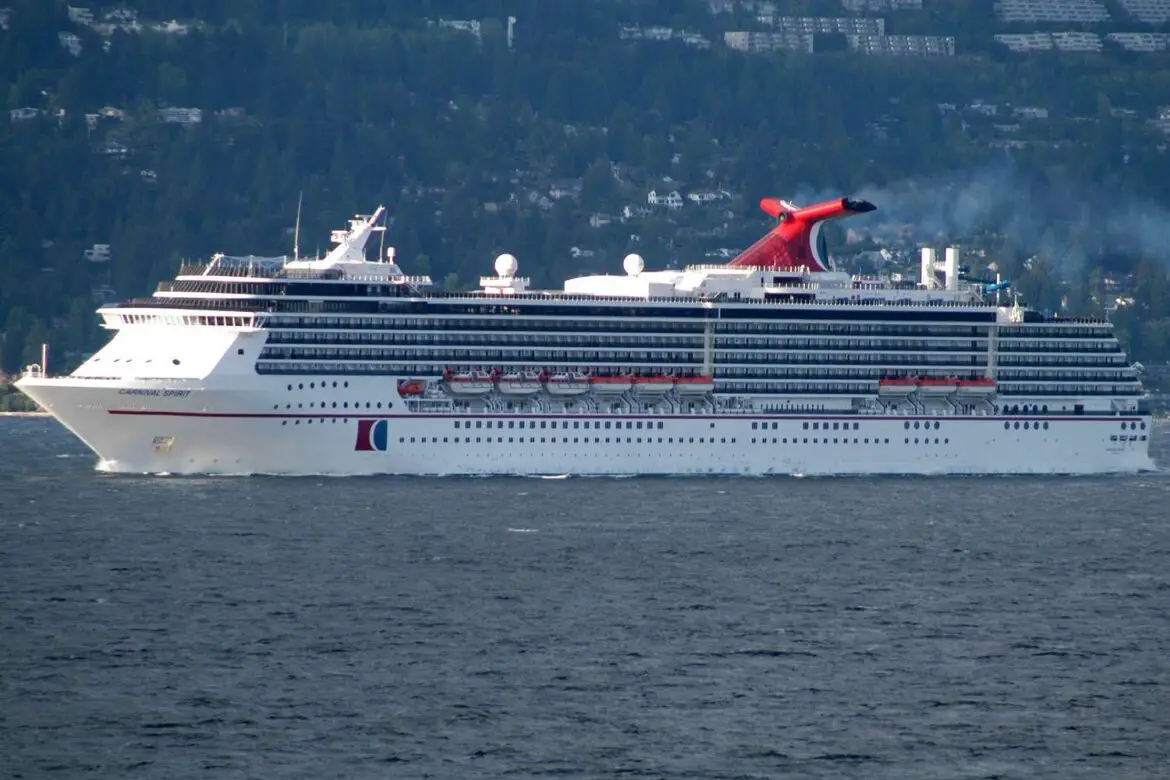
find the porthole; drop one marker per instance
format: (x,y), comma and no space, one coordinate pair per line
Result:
(175,361)
(915,426)
(1045,426)
(301,386)
(1143,426)
(1017,426)
(1007,426)
(906,425)
(1025,425)
(936,424)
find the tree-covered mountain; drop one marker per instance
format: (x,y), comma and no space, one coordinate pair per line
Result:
(468,136)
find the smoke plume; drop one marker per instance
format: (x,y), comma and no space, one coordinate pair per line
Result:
(1035,215)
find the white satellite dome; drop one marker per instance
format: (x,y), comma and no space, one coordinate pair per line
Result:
(634,264)
(506,266)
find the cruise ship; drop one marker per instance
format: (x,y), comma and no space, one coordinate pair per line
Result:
(775,363)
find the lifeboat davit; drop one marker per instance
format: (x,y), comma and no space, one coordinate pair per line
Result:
(694,385)
(611,385)
(519,384)
(567,384)
(653,385)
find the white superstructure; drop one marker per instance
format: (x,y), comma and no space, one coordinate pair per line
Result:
(777,365)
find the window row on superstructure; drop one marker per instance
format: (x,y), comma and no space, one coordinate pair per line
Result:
(1106,359)
(1068,389)
(1121,374)
(825,350)
(650,321)
(1092,329)
(1066,345)
(673,356)
(625,357)
(605,338)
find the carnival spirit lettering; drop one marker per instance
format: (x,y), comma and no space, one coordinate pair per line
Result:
(164,393)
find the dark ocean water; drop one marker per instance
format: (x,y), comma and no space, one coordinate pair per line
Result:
(578,628)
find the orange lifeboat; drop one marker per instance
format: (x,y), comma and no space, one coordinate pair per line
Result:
(411,387)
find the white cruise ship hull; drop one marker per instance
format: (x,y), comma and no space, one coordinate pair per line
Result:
(196,428)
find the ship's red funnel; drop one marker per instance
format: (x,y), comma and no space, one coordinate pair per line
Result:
(794,243)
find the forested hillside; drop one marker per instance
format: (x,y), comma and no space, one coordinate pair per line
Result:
(545,141)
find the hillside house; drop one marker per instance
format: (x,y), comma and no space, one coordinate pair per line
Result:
(671,200)
(98,253)
(181,116)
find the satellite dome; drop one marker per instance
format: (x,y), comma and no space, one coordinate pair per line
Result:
(634,264)
(506,266)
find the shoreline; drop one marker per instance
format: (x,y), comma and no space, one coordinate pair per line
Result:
(25,414)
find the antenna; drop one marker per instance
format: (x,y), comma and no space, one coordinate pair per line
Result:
(297,229)
(382,243)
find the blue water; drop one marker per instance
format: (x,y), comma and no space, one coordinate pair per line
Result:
(578,628)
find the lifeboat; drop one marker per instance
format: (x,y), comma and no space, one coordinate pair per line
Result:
(938,386)
(411,387)
(611,385)
(567,384)
(977,388)
(519,384)
(694,385)
(472,383)
(652,385)
(897,388)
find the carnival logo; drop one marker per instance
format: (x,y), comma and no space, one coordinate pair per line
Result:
(371,435)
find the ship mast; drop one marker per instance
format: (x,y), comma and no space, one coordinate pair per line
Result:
(297,229)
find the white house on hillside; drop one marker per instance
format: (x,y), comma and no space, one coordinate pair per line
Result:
(672,200)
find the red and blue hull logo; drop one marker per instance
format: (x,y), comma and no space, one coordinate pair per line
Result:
(372,435)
